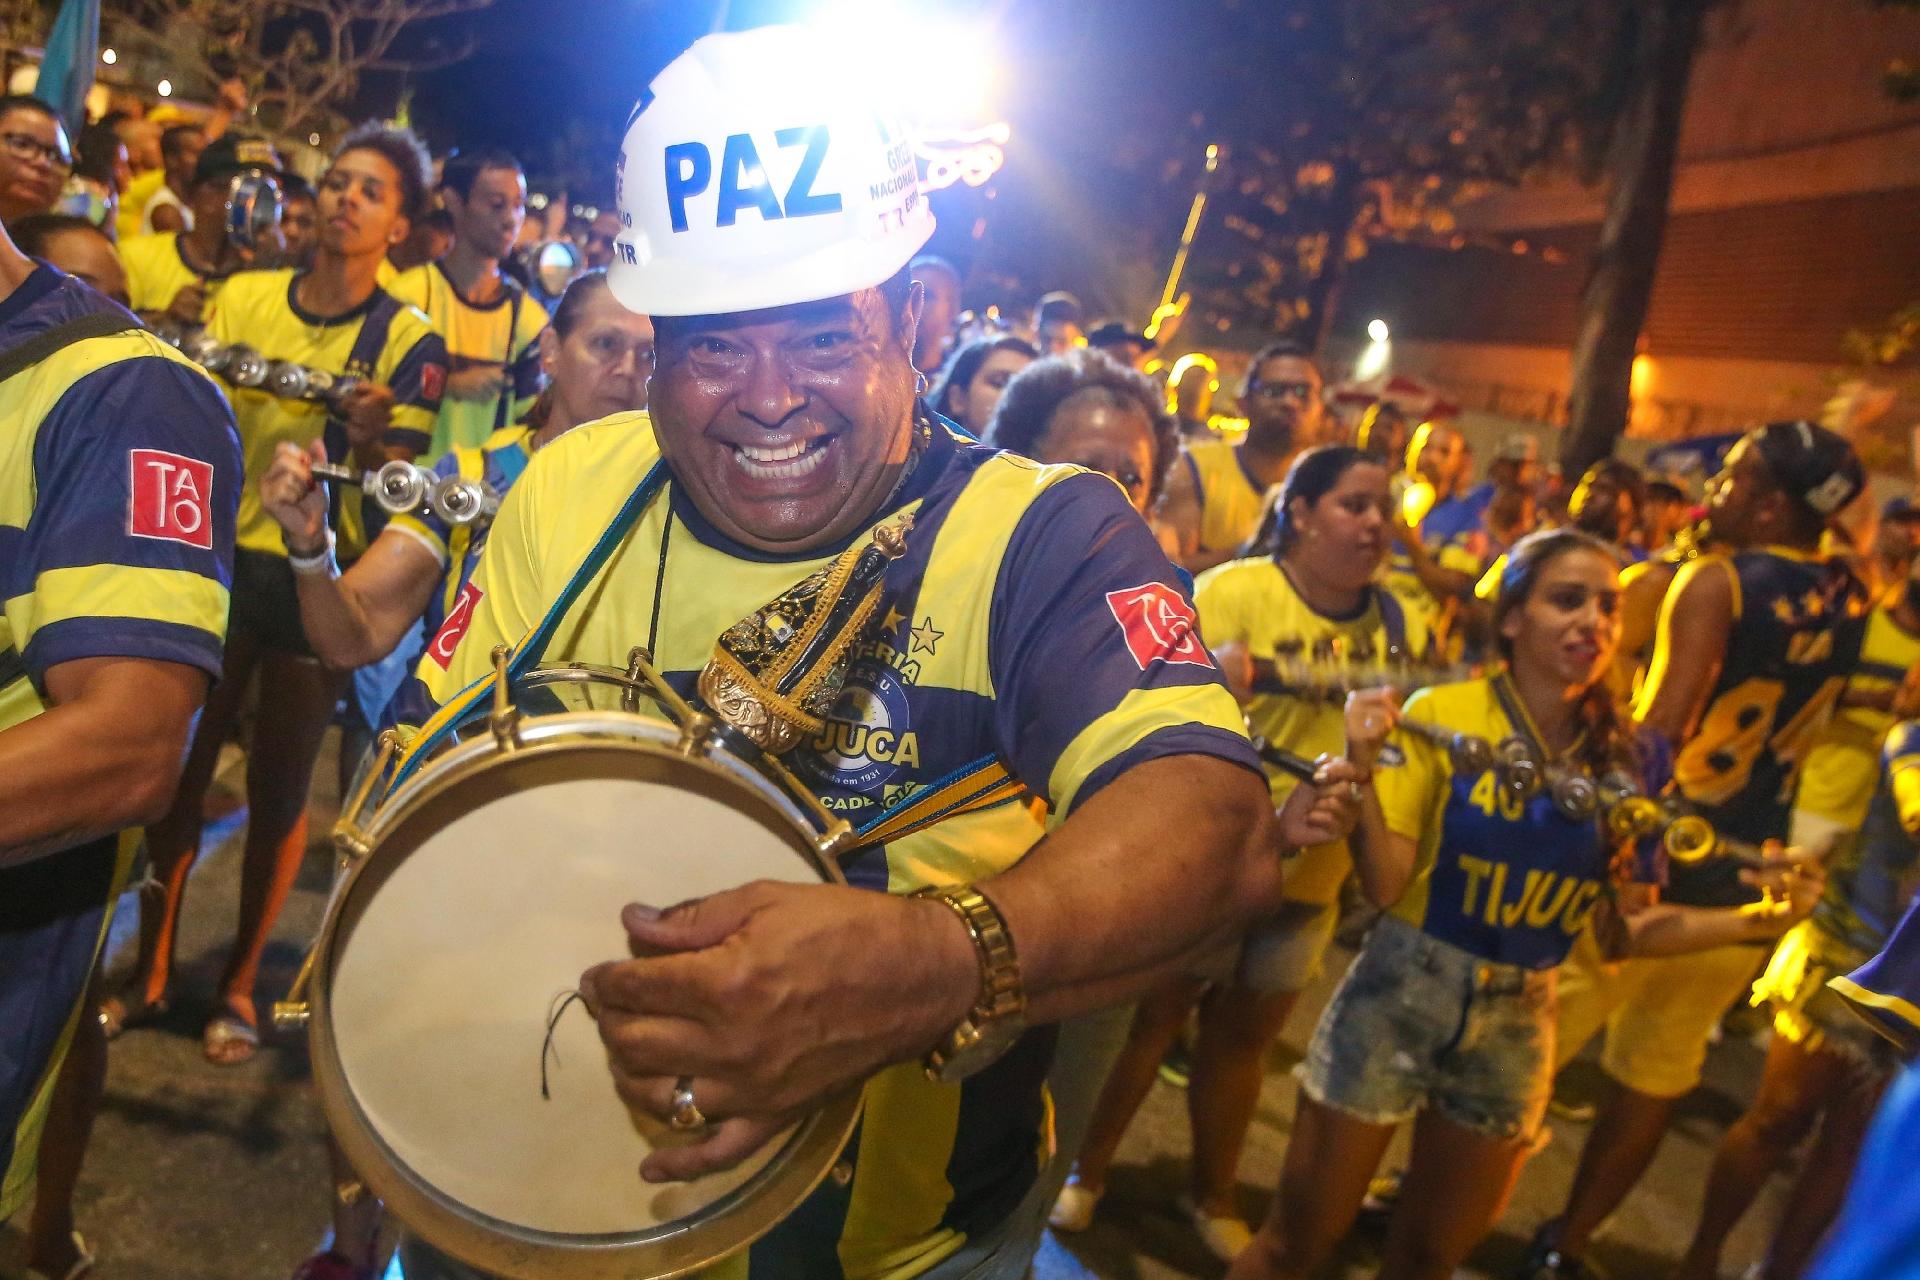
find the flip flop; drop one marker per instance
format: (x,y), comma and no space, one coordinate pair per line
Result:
(83,1267)
(229,1040)
(117,1016)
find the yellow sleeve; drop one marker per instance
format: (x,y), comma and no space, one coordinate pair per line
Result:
(1411,778)
(503,601)
(1903,772)
(1217,597)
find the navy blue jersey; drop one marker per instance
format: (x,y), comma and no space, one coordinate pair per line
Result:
(1799,620)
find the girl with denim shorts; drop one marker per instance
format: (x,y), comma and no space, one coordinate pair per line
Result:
(1446,1017)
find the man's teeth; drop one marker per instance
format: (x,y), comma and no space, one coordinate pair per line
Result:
(789,462)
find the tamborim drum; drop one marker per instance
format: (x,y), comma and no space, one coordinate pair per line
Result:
(464,1091)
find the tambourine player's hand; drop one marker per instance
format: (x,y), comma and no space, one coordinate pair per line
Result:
(289,493)
(484,382)
(187,305)
(1792,878)
(367,410)
(1370,716)
(769,999)
(1324,809)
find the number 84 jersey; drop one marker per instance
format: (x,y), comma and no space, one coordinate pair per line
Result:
(1799,620)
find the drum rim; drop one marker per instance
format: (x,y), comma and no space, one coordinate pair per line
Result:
(510,1250)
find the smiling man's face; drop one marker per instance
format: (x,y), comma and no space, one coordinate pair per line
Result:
(788,427)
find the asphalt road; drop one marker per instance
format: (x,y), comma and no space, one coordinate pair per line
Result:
(205,1173)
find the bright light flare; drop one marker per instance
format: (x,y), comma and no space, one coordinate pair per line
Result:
(164,88)
(1377,330)
(954,64)
(1377,354)
(109,57)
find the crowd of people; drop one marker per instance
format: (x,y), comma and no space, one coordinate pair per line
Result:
(1424,675)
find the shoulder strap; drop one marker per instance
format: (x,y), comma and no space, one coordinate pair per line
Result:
(98,324)
(364,355)
(503,408)
(533,645)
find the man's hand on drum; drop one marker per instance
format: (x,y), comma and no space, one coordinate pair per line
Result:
(289,493)
(770,998)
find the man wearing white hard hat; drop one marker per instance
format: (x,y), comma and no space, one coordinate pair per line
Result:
(770,209)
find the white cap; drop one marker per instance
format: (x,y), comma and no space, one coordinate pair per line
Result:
(761,170)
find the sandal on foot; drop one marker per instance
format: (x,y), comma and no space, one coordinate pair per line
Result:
(117,1016)
(82,1266)
(229,1040)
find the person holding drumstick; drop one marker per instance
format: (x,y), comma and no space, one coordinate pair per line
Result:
(1031,620)
(1312,603)
(1447,1016)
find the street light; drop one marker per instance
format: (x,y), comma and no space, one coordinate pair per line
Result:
(109,57)
(165,88)
(1377,330)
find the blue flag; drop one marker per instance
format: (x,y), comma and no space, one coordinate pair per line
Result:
(66,73)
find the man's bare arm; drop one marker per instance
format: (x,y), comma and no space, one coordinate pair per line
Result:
(1695,625)
(360,616)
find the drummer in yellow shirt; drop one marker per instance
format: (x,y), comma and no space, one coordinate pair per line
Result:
(1031,620)
(490,325)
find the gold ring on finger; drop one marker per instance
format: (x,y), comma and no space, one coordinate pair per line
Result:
(685,1115)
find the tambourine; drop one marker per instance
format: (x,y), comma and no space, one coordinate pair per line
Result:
(243,366)
(403,488)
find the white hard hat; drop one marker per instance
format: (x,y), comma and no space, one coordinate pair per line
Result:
(761,170)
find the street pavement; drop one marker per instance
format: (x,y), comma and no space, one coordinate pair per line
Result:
(205,1173)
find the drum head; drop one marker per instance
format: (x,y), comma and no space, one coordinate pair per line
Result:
(481,905)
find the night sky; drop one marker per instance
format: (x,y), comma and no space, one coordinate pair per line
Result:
(1078,205)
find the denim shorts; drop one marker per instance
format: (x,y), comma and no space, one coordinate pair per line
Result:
(1417,1022)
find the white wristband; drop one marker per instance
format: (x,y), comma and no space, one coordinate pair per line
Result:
(319,564)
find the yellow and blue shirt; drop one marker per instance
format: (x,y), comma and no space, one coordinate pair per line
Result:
(1503,879)
(1839,776)
(381,339)
(1799,620)
(1254,603)
(157,271)
(119,478)
(1033,618)
(1866,876)
(1231,498)
(504,333)
(497,464)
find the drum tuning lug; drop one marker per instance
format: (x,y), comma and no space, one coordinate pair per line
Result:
(291,1015)
(836,840)
(350,842)
(504,721)
(695,734)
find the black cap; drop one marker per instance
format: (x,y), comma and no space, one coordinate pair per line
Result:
(230,153)
(1114,333)
(1059,307)
(1815,465)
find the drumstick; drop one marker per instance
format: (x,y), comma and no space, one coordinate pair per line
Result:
(1285,761)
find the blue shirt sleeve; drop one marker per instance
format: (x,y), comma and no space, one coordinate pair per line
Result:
(129,549)
(1095,651)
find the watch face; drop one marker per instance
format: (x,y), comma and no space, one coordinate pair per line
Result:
(981,1048)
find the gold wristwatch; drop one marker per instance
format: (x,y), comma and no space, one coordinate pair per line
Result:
(999,1016)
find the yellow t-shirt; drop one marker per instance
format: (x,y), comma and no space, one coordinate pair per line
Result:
(258,308)
(133,204)
(156,271)
(1253,603)
(1838,778)
(1031,619)
(502,333)
(1230,498)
